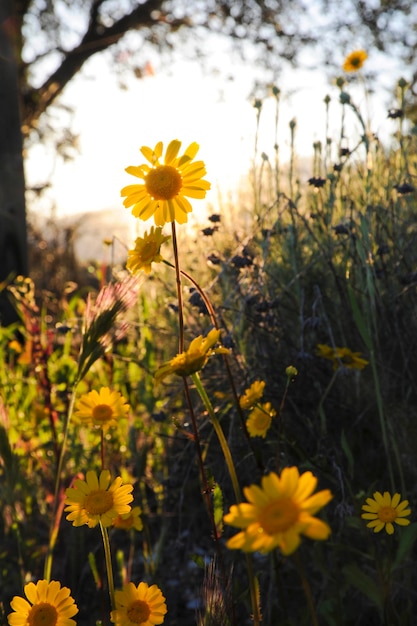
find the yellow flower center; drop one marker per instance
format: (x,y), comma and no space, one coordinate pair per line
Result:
(42,614)
(279,516)
(355,61)
(98,502)
(387,514)
(163,182)
(102,413)
(138,612)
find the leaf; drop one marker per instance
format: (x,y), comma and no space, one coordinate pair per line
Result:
(359,319)
(408,537)
(356,577)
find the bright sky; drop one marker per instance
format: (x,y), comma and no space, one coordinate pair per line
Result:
(186,104)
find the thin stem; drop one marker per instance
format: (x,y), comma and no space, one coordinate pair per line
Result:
(102,447)
(307,590)
(253,586)
(323,425)
(57,508)
(109,568)
(179,290)
(220,435)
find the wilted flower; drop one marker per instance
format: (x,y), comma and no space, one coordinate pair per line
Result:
(147,250)
(194,359)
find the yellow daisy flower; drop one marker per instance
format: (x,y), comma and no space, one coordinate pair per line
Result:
(342,357)
(260,419)
(146,251)
(385,509)
(142,605)
(166,185)
(355,60)
(96,499)
(101,409)
(194,359)
(252,395)
(129,520)
(279,512)
(49,605)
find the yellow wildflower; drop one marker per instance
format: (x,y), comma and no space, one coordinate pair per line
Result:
(194,359)
(355,60)
(166,186)
(146,251)
(279,512)
(384,510)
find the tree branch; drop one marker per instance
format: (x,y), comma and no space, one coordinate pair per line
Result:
(96,39)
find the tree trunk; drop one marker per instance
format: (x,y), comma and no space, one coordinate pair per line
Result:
(13,237)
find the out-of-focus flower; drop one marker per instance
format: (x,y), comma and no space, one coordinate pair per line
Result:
(259,420)
(252,395)
(147,250)
(355,60)
(279,512)
(143,605)
(101,409)
(167,185)
(342,357)
(129,520)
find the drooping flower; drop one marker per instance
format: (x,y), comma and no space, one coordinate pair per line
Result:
(97,499)
(259,420)
(167,185)
(146,251)
(142,605)
(129,520)
(342,357)
(384,510)
(252,395)
(47,604)
(355,60)
(194,359)
(279,512)
(101,409)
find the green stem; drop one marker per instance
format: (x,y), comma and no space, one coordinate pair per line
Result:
(220,435)
(109,568)
(253,586)
(57,510)
(179,290)
(323,425)
(307,590)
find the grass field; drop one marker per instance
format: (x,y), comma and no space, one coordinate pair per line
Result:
(213,417)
